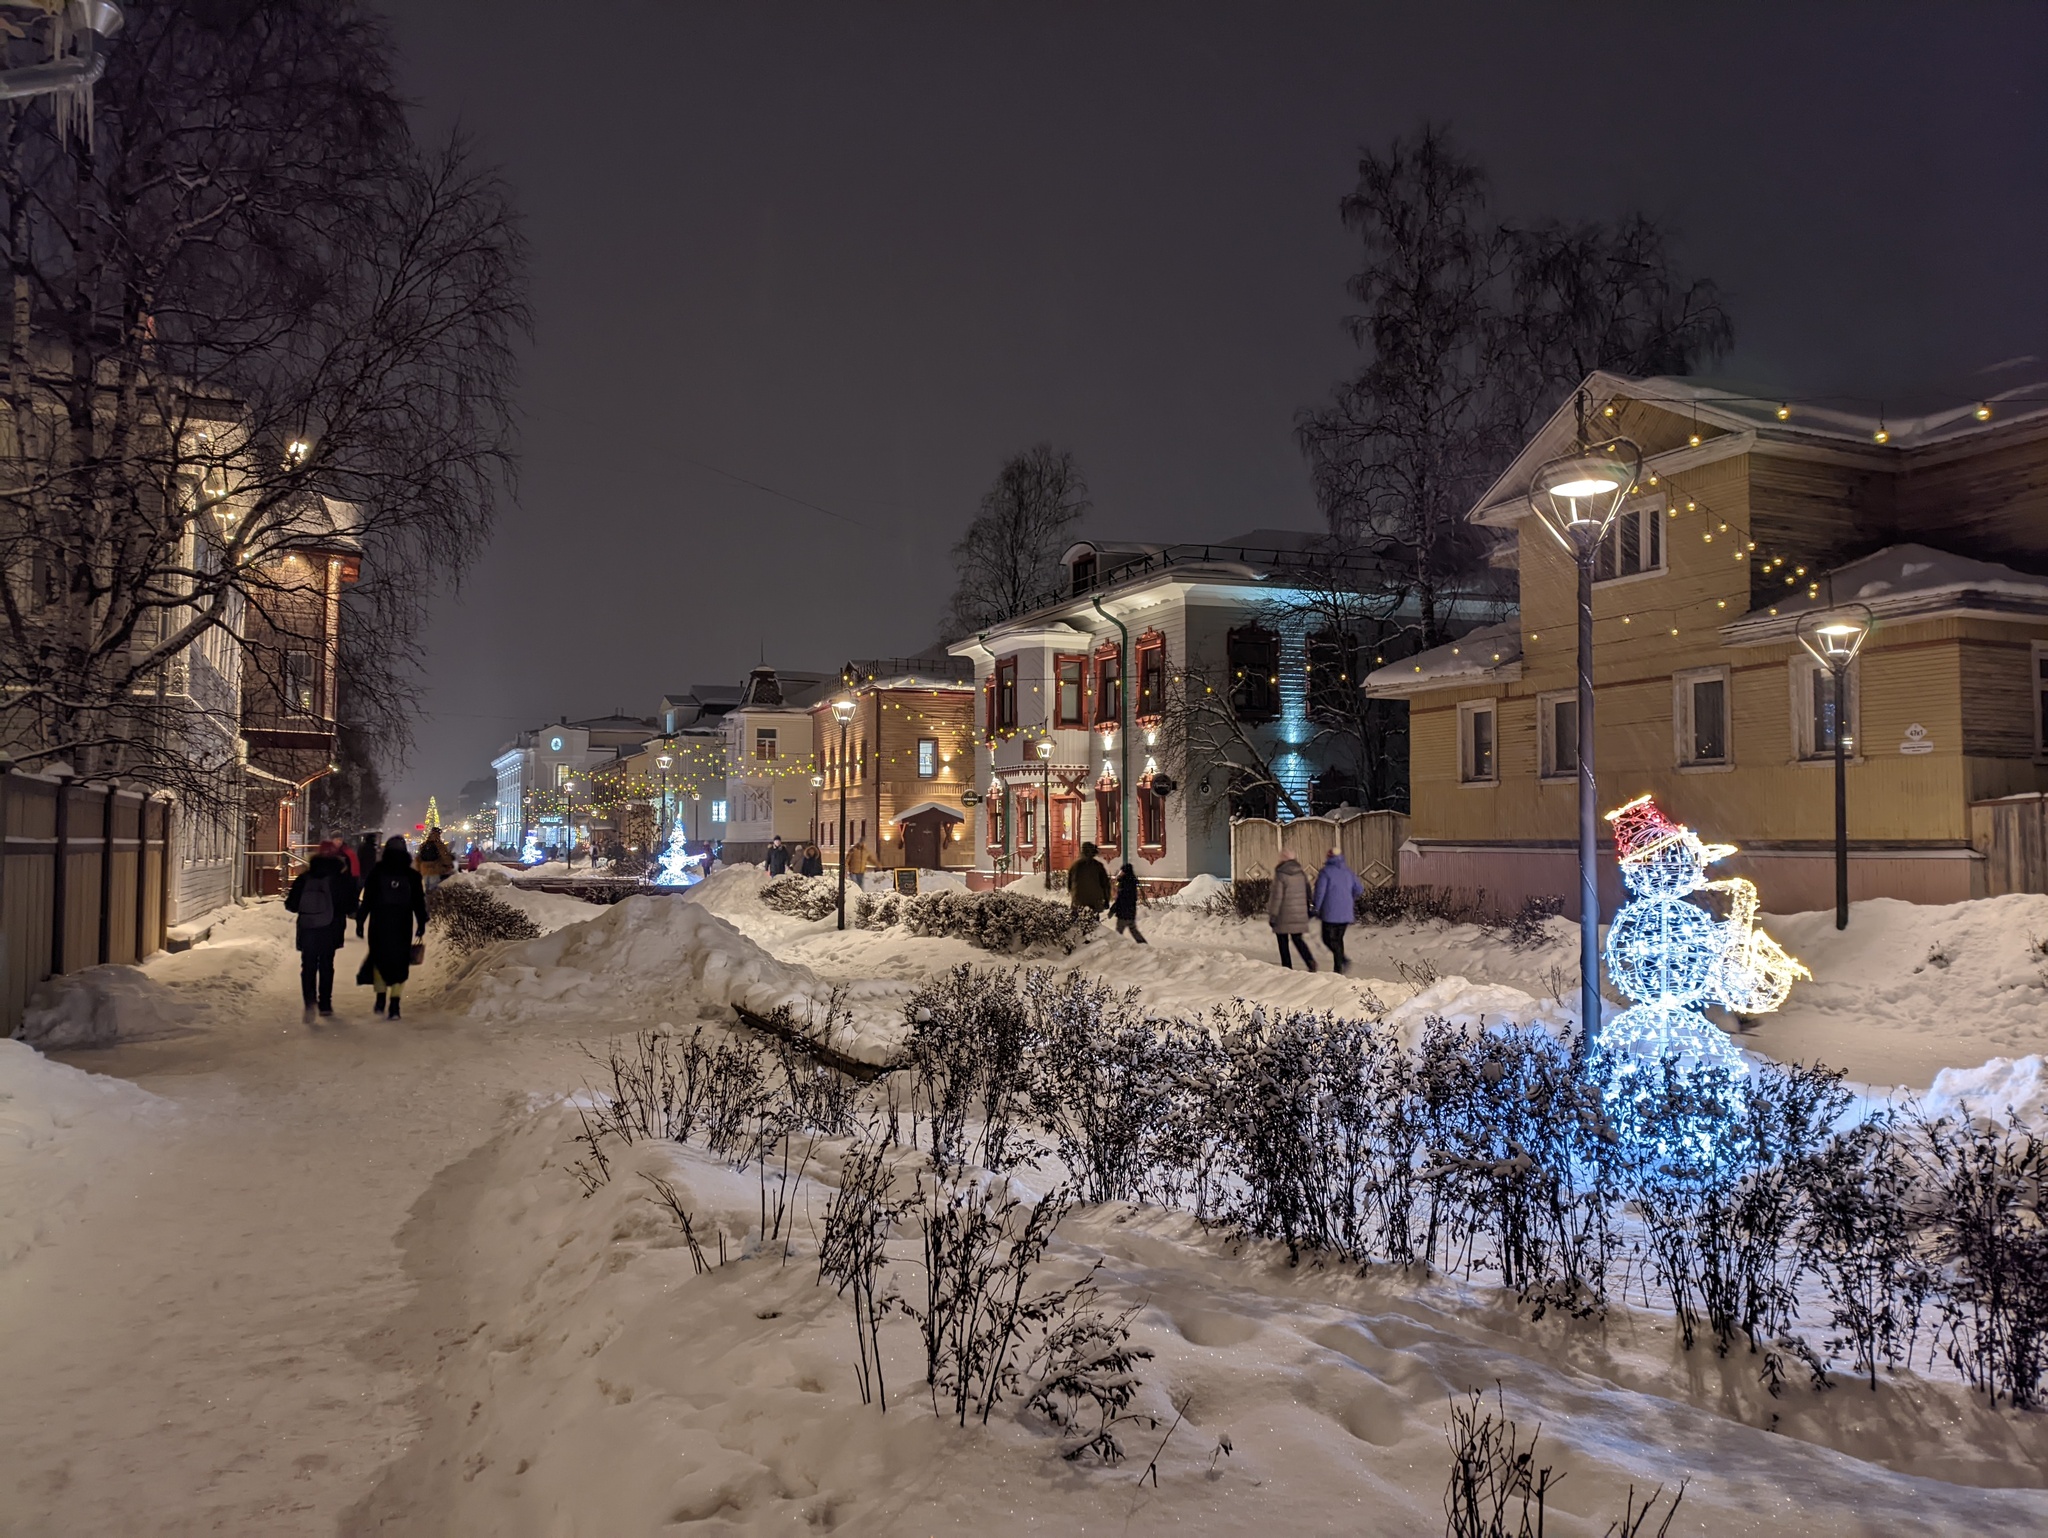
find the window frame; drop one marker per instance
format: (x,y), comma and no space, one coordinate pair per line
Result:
(1467,711)
(1151,821)
(1109,686)
(1151,701)
(1547,767)
(998,821)
(1024,807)
(2037,687)
(300,671)
(1078,719)
(927,758)
(770,738)
(1331,704)
(720,812)
(1006,694)
(1109,815)
(1806,748)
(1650,512)
(1684,723)
(1254,691)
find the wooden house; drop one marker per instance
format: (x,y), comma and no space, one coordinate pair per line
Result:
(1747,514)
(908,759)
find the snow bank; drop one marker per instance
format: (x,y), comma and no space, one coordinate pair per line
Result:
(53,1120)
(549,910)
(1199,892)
(668,954)
(2005,1088)
(100,1006)
(1470,1006)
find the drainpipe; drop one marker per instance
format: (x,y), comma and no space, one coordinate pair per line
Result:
(1126,830)
(1009,821)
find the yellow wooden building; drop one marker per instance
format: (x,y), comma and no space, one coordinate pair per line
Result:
(909,754)
(1747,514)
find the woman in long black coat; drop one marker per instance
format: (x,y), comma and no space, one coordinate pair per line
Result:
(396,902)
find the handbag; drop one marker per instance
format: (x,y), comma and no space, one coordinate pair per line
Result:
(419,952)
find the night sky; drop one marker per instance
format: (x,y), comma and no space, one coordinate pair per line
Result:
(860,253)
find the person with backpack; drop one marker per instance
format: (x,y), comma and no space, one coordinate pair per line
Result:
(1287,909)
(323,897)
(1125,904)
(1338,890)
(436,861)
(396,903)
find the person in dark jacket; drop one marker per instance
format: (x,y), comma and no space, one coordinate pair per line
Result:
(1287,909)
(396,903)
(1088,882)
(778,856)
(813,863)
(1336,903)
(366,862)
(1125,904)
(323,897)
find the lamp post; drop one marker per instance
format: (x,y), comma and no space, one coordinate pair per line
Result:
(817,795)
(1044,750)
(1577,497)
(1833,636)
(842,712)
(569,822)
(663,762)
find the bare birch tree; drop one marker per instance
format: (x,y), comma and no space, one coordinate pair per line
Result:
(1008,560)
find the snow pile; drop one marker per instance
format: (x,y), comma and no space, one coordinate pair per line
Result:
(1200,891)
(548,910)
(651,955)
(51,1116)
(2004,1089)
(1472,1006)
(100,1006)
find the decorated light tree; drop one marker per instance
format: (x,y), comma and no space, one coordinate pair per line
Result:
(1670,956)
(675,861)
(529,852)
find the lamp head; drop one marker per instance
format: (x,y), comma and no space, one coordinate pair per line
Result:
(1045,747)
(817,782)
(1578,495)
(663,763)
(843,709)
(1834,636)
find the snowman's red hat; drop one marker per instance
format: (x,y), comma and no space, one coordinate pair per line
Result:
(1641,829)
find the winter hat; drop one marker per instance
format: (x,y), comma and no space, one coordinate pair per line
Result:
(1641,829)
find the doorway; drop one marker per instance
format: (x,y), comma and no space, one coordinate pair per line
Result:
(1065,831)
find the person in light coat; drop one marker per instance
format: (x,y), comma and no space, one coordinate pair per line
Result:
(1336,903)
(1287,910)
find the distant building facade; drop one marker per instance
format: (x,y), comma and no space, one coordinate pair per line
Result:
(536,771)
(909,756)
(768,763)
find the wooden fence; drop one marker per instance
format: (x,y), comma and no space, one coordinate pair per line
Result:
(1371,842)
(84,879)
(2012,835)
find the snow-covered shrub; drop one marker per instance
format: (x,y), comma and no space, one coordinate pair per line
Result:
(1250,894)
(1100,1082)
(1004,920)
(1990,1235)
(1859,1232)
(879,910)
(853,1252)
(802,897)
(469,917)
(969,1037)
(1497,1490)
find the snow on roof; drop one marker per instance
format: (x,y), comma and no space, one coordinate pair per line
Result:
(929,806)
(1899,582)
(1491,651)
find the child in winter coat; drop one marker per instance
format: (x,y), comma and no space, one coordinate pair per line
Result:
(1125,904)
(1287,909)
(324,898)
(1336,903)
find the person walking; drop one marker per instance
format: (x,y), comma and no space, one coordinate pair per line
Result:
(396,903)
(1336,903)
(474,858)
(323,897)
(813,863)
(1125,904)
(778,857)
(857,860)
(1287,909)
(1088,883)
(437,861)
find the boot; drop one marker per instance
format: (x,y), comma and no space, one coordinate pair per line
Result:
(307,1016)
(392,1013)
(378,1007)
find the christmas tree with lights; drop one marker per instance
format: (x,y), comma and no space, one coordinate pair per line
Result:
(675,861)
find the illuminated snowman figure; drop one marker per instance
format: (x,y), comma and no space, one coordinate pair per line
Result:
(678,865)
(1670,956)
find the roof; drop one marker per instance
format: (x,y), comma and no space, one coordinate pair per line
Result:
(940,672)
(953,812)
(1490,652)
(1899,582)
(616,724)
(1729,421)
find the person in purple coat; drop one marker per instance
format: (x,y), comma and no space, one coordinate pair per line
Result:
(1336,904)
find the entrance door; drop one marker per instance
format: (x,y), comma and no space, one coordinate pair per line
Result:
(1066,831)
(921,841)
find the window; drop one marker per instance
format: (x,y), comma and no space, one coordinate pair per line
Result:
(927,758)
(1634,546)
(1152,675)
(1067,675)
(1699,717)
(2040,693)
(1254,654)
(718,811)
(1813,705)
(1006,695)
(1151,819)
(1027,820)
(1253,795)
(1557,719)
(562,773)
(1477,760)
(1332,677)
(997,820)
(298,683)
(764,743)
(1084,574)
(1331,790)
(1109,813)
(1109,689)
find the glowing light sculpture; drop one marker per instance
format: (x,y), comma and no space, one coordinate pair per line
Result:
(1670,956)
(529,852)
(678,865)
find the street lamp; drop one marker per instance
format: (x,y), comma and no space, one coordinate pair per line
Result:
(663,762)
(569,823)
(1833,636)
(1045,805)
(1577,497)
(842,712)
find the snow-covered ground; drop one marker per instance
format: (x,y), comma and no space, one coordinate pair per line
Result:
(257,1277)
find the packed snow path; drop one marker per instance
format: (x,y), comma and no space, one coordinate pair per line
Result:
(204,1332)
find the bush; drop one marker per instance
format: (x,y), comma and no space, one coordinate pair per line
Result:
(470,918)
(802,897)
(1004,920)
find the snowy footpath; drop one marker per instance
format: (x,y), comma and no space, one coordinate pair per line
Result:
(260,1278)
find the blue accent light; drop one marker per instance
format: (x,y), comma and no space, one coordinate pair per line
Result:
(1292,768)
